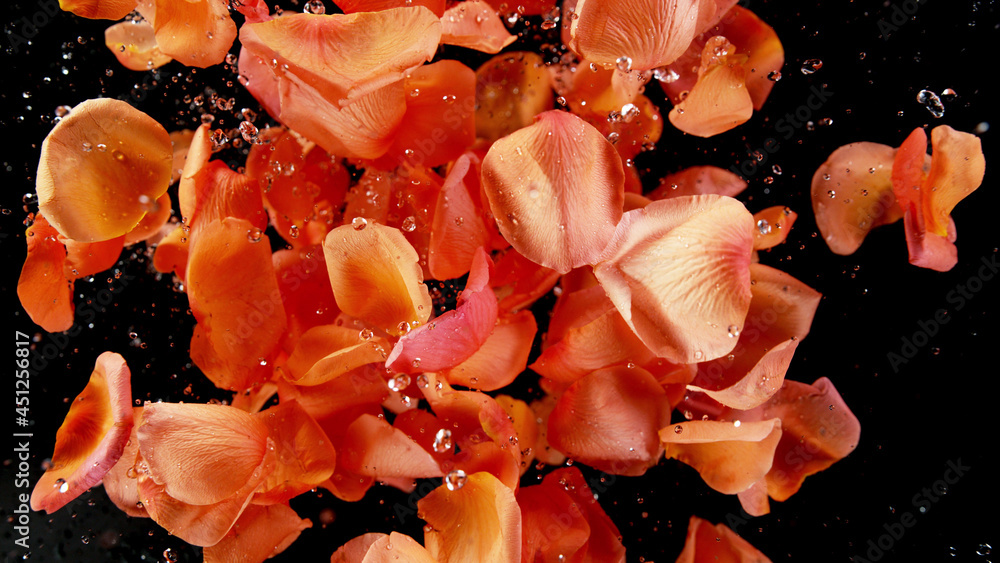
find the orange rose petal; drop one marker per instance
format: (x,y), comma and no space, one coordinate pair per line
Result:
(99,9)
(376,449)
(636,129)
(781,312)
(609,420)
(253,401)
(260,533)
(478,521)
(376,277)
(259,79)
(91,439)
(500,358)
(87,258)
(818,429)
(458,231)
(525,424)
(352,6)
(531,7)
(544,451)
(471,416)
(453,337)
(305,289)
(305,456)
(43,289)
(650,261)
(120,487)
(699,180)
(235,298)
(511,89)
(957,169)
(341,400)
(172,252)
(590,89)
(152,223)
(531,178)
(134,45)
(926,249)
(519,282)
(909,169)
(181,142)
(201,454)
(492,458)
(476,25)
(354,551)
(705,543)
(195,33)
(754,500)
(92,194)
(730,456)
(397,547)
(773,226)
(849,199)
(719,100)
(608,31)
(329,351)
(255,11)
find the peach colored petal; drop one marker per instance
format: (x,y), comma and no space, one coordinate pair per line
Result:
(87,258)
(773,225)
(99,9)
(134,45)
(678,272)
(456,335)
(759,41)
(926,249)
(172,252)
(90,193)
(254,400)
(374,448)
(525,424)
(719,100)
(590,89)
(305,290)
(635,127)
(329,351)
(532,180)
(781,312)
(489,457)
(957,169)
(707,543)
(478,521)
(519,282)
(181,142)
(397,547)
(730,456)
(699,180)
(255,11)
(43,289)
(909,169)
(305,456)
(201,454)
(92,437)
(260,533)
(471,416)
(235,298)
(849,199)
(476,25)
(354,550)
(458,230)
(152,223)
(651,33)
(609,420)
(544,451)
(195,33)
(120,481)
(754,500)
(375,277)
(501,357)
(531,7)
(260,80)
(511,89)
(352,6)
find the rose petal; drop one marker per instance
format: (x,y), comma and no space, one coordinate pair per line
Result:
(476,25)
(329,351)
(609,30)
(500,358)
(92,437)
(719,100)
(305,457)
(195,33)
(957,169)
(134,45)
(120,481)
(511,89)
(729,457)
(458,231)
(260,533)
(397,547)
(43,289)
(773,225)
(699,180)
(89,194)
(706,542)
(374,448)
(99,9)
(532,180)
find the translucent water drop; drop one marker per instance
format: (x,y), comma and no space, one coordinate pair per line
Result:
(810,66)
(624,63)
(455,480)
(169,555)
(366,334)
(984,549)
(249,131)
(62,485)
(932,102)
(359,223)
(737,423)
(733,331)
(442,441)
(666,75)
(400,382)
(774,76)
(254,235)
(831,193)
(409,224)
(612,138)
(763,227)
(678,429)
(314,7)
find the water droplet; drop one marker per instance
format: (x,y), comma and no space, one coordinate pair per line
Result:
(612,138)
(774,76)
(359,223)
(831,193)
(737,423)
(442,441)
(398,383)
(455,480)
(255,234)
(624,63)
(984,549)
(932,102)
(249,131)
(169,555)
(366,334)
(314,7)
(763,227)
(733,331)
(678,429)
(810,66)
(409,224)
(776,169)
(62,485)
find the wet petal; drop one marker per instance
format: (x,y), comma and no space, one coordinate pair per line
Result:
(305,289)
(926,249)
(120,481)
(699,180)
(957,169)
(511,89)
(195,33)
(754,500)
(45,292)
(305,457)
(852,193)
(500,358)
(260,533)
(458,230)
(607,31)
(519,282)
(134,45)
(773,225)
(98,9)
(678,271)
(92,438)
(609,420)
(719,100)
(376,277)
(532,180)
(476,25)
(480,521)
(201,454)
(87,258)
(329,351)
(374,448)
(152,223)
(89,194)
(397,547)
(354,550)
(351,6)
(706,542)
(730,456)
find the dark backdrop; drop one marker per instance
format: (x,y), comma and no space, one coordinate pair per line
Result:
(936,408)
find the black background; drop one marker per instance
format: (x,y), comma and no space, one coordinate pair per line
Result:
(938,407)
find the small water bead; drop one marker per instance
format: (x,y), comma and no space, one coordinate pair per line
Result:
(63,111)
(624,63)
(666,75)
(442,441)
(831,193)
(776,169)
(359,223)
(733,331)
(764,227)
(948,95)
(984,549)
(774,76)
(314,7)
(255,234)
(366,334)
(169,555)
(810,66)
(293,231)
(455,480)
(932,102)
(248,131)
(678,429)
(62,485)
(409,224)
(398,383)
(612,138)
